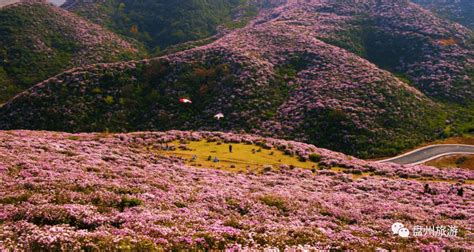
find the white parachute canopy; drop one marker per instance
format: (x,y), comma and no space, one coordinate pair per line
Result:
(219,116)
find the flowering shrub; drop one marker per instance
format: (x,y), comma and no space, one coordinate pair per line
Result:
(136,199)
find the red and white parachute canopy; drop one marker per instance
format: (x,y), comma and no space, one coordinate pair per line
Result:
(185,100)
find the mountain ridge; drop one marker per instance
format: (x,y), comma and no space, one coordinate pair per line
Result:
(456,10)
(29,56)
(158,24)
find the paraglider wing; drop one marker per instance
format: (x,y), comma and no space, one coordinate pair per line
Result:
(185,100)
(219,116)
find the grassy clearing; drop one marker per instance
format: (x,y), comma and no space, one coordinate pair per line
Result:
(252,158)
(466,139)
(244,157)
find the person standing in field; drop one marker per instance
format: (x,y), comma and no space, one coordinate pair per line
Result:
(460,191)
(451,189)
(230,148)
(427,189)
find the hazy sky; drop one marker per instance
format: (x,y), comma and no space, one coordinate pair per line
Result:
(57,2)
(6,2)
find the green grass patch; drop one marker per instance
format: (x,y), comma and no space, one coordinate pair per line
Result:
(244,157)
(275,201)
(127,202)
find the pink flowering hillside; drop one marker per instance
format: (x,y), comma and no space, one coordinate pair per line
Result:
(273,78)
(39,40)
(431,53)
(423,47)
(121,191)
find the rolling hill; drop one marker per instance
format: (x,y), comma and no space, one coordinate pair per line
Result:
(396,35)
(115,191)
(430,53)
(7,2)
(39,40)
(273,77)
(160,24)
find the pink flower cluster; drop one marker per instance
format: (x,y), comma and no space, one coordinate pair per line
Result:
(95,191)
(94,43)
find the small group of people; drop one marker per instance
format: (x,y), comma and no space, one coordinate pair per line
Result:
(166,147)
(460,190)
(209,158)
(452,189)
(215,160)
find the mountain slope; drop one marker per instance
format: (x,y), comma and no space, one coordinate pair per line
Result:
(272,78)
(434,55)
(160,24)
(39,40)
(399,36)
(461,11)
(7,2)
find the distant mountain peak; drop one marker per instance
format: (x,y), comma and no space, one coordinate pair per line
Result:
(460,11)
